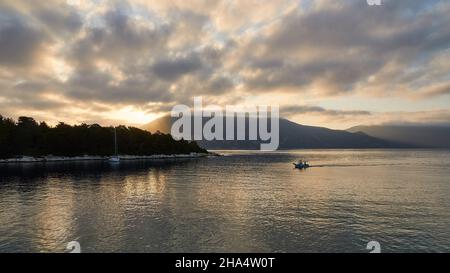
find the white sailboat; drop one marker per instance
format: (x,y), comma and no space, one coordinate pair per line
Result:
(115,158)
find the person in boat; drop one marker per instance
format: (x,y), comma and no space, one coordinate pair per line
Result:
(301,164)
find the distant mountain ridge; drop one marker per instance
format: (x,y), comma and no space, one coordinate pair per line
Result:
(424,136)
(292,136)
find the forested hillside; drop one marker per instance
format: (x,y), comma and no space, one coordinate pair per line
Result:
(27,137)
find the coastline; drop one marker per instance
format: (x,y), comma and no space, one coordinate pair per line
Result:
(44,159)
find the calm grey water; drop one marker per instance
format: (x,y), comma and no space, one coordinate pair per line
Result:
(242,202)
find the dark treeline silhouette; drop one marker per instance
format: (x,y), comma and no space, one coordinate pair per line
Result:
(26,137)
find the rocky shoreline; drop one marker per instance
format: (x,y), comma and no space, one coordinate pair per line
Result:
(29,159)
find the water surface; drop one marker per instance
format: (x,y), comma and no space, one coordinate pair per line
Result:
(241,202)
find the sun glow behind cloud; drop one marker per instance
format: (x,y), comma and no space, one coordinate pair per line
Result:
(129,115)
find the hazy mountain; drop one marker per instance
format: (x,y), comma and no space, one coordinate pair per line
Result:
(292,136)
(432,136)
(162,124)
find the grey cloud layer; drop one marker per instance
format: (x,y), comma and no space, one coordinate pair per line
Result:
(343,46)
(20,42)
(290,110)
(131,53)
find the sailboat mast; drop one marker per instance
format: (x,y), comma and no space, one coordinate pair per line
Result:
(115,142)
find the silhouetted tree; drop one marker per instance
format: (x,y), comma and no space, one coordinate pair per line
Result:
(27,137)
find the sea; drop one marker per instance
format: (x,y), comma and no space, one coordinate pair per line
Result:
(242,201)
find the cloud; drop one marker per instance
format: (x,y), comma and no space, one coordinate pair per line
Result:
(435,90)
(291,110)
(337,48)
(20,42)
(118,38)
(151,55)
(440,116)
(172,69)
(60,22)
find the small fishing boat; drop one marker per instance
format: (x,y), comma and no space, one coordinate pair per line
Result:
(301,164)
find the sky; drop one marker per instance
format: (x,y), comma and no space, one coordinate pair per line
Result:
(327,63)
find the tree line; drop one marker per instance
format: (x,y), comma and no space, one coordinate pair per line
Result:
(26,137)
